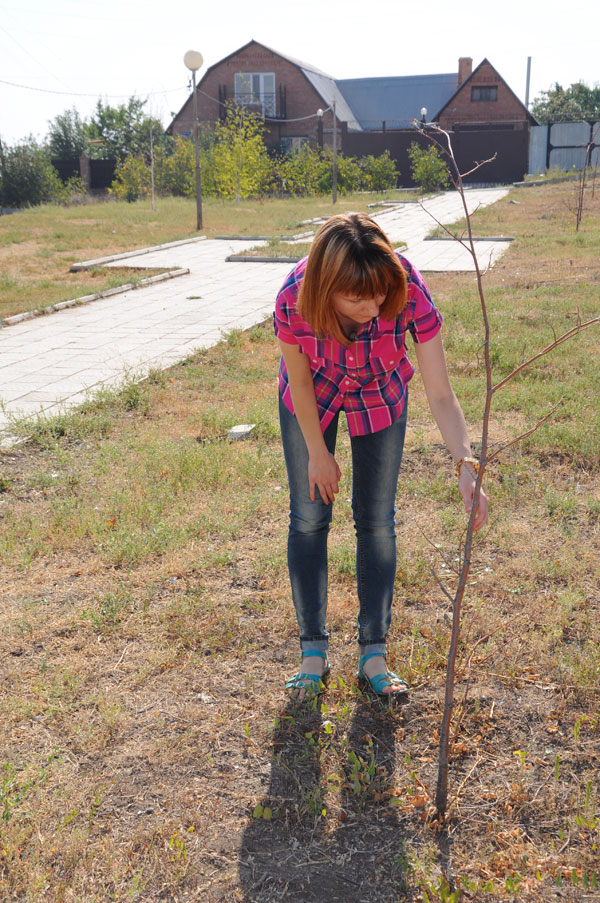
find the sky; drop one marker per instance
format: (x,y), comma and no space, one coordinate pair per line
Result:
(69,53)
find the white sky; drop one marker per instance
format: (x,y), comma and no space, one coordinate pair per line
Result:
(133,47)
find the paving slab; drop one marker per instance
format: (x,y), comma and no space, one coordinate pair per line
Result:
(49,363)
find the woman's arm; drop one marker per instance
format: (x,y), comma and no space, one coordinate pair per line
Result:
(450,419)
(323,470)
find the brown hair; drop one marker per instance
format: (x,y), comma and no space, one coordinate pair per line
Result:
(350,254)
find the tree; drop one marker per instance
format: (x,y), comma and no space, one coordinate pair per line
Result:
(241,162)
(427,168)
(122,131)
(27,176)
(67,139)
(559,104)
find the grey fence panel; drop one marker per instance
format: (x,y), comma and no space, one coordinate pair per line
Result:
(563,145)
(538,141)
(568,158)
(569,134)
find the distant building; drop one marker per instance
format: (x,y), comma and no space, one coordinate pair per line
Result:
(482,100)
(287,94)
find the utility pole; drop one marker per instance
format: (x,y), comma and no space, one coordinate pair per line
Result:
(334,154)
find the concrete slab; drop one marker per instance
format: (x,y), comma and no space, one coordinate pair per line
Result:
(49,363)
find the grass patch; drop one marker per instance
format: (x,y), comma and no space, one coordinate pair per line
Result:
(38,246)
(147,628)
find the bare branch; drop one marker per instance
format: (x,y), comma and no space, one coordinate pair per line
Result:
(562,338)
(441,586)
(502,448)
(477,166)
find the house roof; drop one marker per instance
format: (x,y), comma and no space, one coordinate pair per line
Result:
(396,100)
(484,61)
(326,86)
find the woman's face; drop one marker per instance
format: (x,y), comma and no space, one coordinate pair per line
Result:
(356,311)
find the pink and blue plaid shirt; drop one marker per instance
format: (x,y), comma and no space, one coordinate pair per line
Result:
(369,378)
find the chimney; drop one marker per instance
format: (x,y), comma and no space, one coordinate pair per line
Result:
(465,67)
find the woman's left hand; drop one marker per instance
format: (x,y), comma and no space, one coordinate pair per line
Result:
(466,487)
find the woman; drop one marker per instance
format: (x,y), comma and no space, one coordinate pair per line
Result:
(341,320)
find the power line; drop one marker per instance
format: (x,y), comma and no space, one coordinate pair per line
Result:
(97,94)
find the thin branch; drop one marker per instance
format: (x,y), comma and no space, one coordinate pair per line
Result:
(464,175)
(562,338)
(502,448)
(441,586)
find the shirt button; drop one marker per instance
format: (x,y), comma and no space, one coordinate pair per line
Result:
(391,362)
(350,358)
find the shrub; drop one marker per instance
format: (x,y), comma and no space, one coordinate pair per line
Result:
(132,180)
(380,172)
(27,177)
(427,168)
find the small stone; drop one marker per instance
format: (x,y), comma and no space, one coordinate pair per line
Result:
(241,431)
(205,698)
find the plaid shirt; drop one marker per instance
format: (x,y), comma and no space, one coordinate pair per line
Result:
(369,379)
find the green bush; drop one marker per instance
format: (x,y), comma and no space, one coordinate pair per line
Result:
(380,172)
(236,164)
(132,180)
(27,177)
(428,168)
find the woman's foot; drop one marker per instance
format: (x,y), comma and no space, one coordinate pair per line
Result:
(308,681)
(373,668)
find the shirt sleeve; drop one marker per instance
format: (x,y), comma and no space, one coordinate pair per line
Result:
(281,321)
(425,320)
(285,309)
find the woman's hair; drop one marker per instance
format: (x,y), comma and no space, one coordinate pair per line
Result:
(352,255)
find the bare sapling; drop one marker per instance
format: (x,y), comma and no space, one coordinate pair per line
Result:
(442,139)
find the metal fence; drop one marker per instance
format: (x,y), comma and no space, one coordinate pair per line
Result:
(564,145)
(509,146)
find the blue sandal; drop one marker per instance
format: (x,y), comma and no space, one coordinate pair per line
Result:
(314,684)
(379,682)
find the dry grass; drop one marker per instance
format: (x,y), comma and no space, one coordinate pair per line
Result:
(148,753)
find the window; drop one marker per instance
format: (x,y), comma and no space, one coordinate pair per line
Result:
(290,143)
(256,89)
(484,92)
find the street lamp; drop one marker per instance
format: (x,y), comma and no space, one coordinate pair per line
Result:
(193,60)
(320,128)
(423,115)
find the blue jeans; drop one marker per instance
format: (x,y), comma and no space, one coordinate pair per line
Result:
(376,461)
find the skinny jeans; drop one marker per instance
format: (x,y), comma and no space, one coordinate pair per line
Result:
(376,459)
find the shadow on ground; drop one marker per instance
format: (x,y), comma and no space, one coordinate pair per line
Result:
(354,854)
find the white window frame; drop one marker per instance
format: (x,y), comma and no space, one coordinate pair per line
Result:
(255,81)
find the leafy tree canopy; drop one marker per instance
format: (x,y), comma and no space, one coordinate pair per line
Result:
(122,131)
(67,138)
(559,104)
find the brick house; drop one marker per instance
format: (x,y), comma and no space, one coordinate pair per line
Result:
(277,87)
(288,93)
(482,100)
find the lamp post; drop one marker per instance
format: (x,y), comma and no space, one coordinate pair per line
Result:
(423,115)
(193,60)
(320,128)
(334,155)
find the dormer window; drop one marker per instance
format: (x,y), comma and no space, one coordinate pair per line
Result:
(256,89)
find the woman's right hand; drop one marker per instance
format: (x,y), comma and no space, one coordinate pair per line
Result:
(324,474)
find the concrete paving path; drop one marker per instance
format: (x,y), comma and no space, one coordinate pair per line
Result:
(53,362)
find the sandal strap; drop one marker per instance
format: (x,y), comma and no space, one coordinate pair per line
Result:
(365,658)
(319,652)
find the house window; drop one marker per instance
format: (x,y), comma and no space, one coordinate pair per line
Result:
(291,143)
(256,89)
(484,92)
